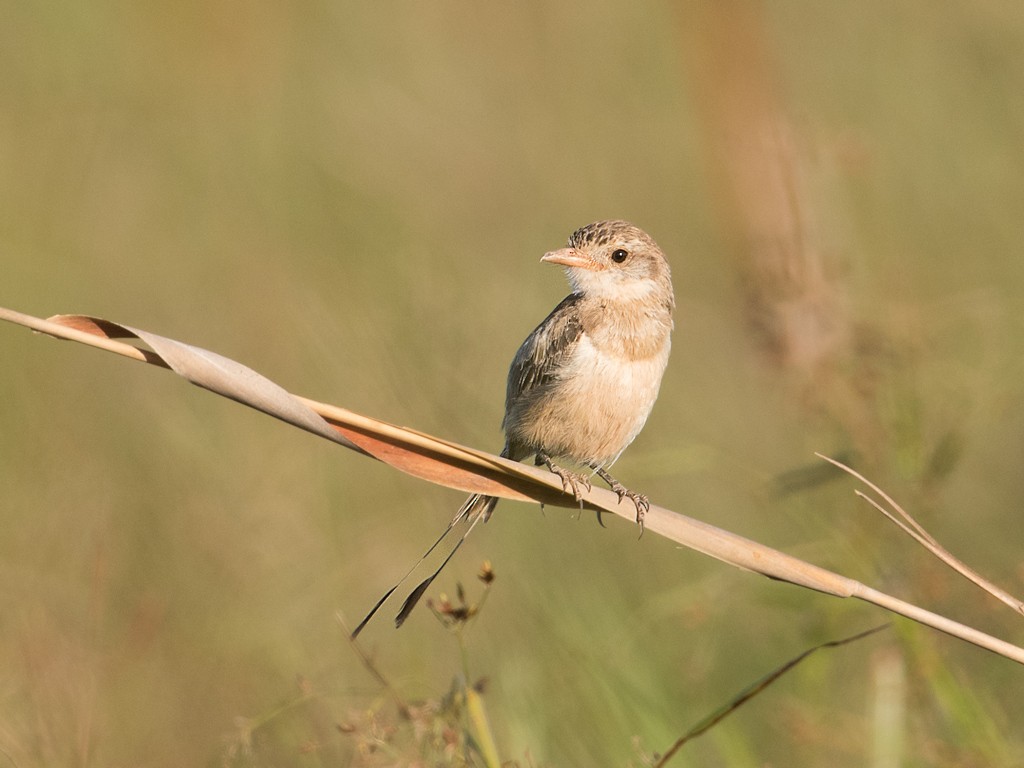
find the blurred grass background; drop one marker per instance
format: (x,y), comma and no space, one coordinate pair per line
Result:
(353,199)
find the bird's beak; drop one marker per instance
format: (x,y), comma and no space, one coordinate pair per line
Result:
(570,257)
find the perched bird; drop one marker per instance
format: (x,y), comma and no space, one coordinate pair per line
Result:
(581,386)
(583,383)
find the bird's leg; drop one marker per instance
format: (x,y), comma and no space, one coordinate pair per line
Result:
(641,502)
(570,480)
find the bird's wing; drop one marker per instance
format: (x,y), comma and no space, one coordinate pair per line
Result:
(545,350)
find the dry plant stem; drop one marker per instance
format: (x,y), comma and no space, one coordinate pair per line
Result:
(751,691)
(949,559)
(466,469)
(403,708)
(61,331)
(913,529)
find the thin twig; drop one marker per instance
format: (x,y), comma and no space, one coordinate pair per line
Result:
(403,708)
(912,528)
(751,691)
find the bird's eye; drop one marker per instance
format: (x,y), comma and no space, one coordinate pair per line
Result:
(619,256)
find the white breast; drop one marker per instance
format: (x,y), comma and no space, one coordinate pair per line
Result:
(598,406)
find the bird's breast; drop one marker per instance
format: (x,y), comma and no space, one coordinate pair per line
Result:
(597,403)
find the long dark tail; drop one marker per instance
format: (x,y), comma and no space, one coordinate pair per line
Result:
(475,508)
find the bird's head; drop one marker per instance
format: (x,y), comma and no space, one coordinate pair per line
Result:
(615,260)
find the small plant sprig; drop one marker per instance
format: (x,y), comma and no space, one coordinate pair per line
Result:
(451,730)
(456,617)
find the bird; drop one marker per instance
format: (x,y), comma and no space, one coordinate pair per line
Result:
(582,384)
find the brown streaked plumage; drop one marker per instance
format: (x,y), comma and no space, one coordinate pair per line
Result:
(584,381)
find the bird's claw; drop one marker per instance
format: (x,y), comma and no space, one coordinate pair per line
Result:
(643,506)
(572,481)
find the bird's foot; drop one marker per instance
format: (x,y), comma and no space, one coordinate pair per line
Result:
(638,499)
(571,481)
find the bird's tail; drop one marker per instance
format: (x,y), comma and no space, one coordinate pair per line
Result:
(475,508)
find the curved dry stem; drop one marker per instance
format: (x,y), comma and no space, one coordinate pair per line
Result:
(449,464)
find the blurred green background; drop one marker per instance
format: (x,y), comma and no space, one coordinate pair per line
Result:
(352,199)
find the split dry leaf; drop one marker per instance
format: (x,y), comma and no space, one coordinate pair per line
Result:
(906,523)
(467,469)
